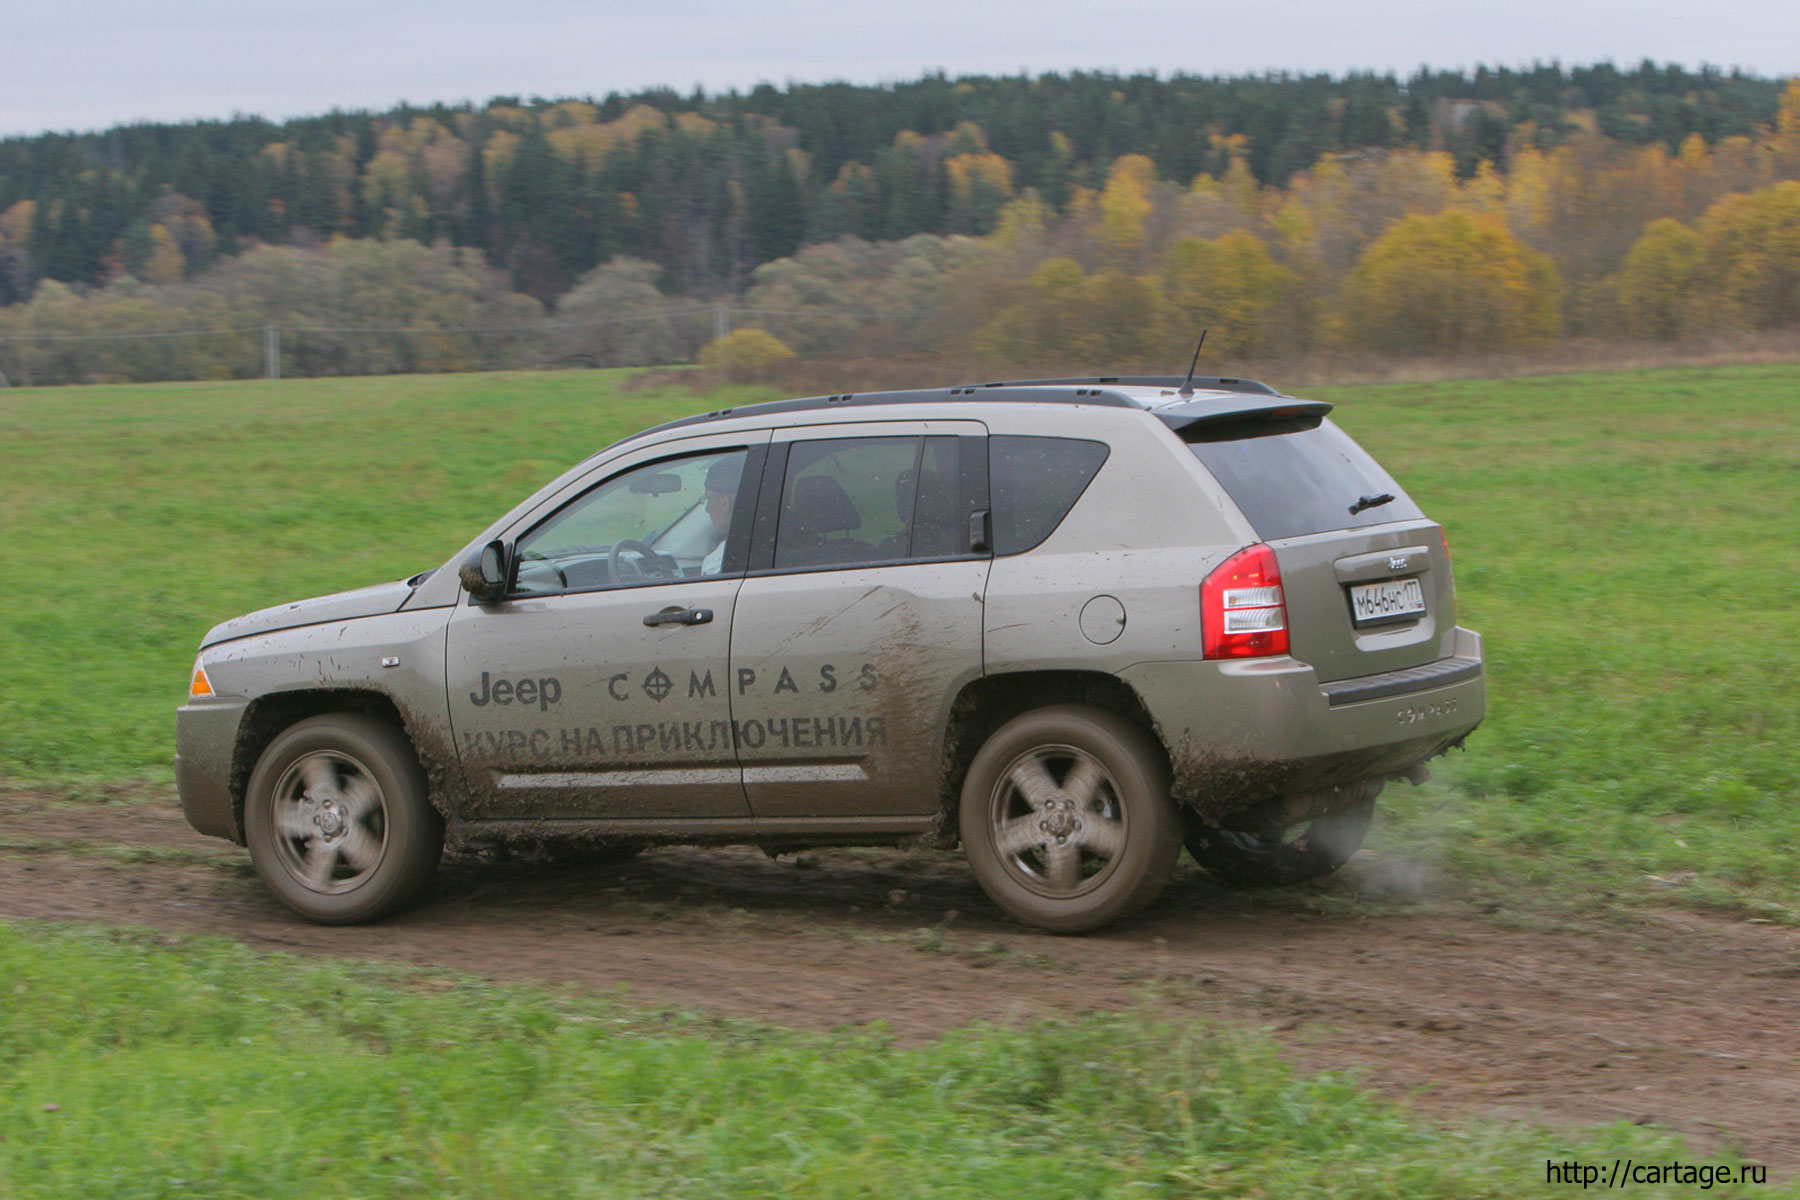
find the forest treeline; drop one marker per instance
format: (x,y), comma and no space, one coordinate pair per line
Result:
(1081,218)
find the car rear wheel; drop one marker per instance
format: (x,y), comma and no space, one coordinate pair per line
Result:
(1066,818)
(1282,857)
(338,822)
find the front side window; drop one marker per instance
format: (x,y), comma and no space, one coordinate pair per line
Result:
(851,501)
(662,521)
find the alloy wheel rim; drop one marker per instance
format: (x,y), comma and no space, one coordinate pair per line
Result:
(330,822)
(1058,824)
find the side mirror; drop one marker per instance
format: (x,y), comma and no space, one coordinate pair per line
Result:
(483,574)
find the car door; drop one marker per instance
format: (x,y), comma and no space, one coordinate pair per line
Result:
(860,619)
(597,687)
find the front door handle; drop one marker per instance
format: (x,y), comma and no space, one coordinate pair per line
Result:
(679,616)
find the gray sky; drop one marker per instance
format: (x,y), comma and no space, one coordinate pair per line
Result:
(88,64)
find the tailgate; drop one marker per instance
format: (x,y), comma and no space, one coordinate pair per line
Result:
(1364,573)
(1364,601)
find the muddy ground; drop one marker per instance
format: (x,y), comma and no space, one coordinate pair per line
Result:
(1677,1019)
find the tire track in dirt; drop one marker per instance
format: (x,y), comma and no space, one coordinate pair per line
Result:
(1684,1020)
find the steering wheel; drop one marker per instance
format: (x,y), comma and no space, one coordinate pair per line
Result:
(646,566)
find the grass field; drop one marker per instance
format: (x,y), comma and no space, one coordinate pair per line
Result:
(1628,543)
(135,1066)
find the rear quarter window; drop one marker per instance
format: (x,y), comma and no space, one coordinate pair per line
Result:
(1301,482)
(1034,482)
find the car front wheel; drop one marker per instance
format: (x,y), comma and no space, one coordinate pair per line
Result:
(338,822)
(1066,818)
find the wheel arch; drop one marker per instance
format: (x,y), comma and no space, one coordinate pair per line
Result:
(987,703)
(267,716)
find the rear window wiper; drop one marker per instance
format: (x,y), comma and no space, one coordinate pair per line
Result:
(1363,502)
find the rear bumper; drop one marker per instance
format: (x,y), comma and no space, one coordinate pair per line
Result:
(1242,732)
(205,736)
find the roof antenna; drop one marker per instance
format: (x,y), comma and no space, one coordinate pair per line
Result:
(1187,385)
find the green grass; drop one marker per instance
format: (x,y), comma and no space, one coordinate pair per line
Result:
(137,517)
(1628,543)
(135,1065)
(1629,546)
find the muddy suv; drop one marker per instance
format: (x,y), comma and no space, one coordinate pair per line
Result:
(1070,624)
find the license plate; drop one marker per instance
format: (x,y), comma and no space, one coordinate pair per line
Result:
(1389,600)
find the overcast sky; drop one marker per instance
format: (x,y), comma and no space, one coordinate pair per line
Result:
(88,64)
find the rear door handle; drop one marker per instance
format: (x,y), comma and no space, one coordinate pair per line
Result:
(679,616)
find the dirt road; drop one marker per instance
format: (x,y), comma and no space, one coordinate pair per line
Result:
(1686,1021)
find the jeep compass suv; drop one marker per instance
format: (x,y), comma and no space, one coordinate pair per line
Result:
(1072,624)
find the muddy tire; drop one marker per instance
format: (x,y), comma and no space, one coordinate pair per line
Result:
(1281,858)
(1066,818)
(337,820)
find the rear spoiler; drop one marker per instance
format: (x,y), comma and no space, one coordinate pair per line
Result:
(1221,419)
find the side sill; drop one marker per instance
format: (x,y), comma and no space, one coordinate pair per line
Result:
(748,829)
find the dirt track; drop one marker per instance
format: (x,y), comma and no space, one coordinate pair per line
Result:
(1685,1021)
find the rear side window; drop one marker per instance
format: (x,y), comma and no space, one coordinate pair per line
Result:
(1034,482)
(1288,484)
(856,501)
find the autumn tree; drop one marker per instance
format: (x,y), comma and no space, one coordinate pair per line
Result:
(1450,282)
(1656,284)
(614,316)
(1752,267)
(1064,315)
(1231,287)
(850,296)
(746,354)
(1124,206)
(980,183)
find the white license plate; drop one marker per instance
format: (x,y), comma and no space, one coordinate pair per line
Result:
(1389,600)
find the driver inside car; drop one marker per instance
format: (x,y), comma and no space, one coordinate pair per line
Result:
(721,491)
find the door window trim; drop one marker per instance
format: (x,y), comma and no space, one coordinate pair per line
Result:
(736,541)
(972,489)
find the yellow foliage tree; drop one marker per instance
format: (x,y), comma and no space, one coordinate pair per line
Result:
(1065,315)
(1655,285)
(1232,288)
(1784,146)
(1240,187)
(1125,203)
(969,172)
(746,354)
(165,263)
(1527,191)
(1752,243)
(15,224)
(979,185)
(1021,221)
(576,134)
(1450,281)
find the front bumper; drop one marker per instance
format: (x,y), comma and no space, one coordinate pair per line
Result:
(206,734)
(1240,732)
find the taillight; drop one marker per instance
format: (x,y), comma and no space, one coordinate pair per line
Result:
(1242,613)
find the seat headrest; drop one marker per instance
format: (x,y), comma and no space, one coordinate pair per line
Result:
(820,505)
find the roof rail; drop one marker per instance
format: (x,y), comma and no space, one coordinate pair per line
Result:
(1088,390)
(1215,383)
